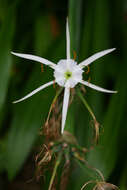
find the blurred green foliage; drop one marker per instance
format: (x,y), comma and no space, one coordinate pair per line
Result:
(38,27)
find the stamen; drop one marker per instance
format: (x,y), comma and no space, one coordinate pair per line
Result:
(88,70)
(74,55)
(54,84)
(42,69)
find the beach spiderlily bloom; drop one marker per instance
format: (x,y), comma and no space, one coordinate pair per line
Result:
(67,74)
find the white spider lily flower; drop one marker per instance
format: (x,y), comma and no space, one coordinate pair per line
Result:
(67,74)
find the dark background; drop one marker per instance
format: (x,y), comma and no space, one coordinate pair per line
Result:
(38,27)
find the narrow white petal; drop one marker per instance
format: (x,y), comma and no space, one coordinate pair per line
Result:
(35,58)
(97,87)
(34,91)
(95,57)
(67,40)
(65,107)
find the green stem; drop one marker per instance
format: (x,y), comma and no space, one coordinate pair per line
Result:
(57,94)
(54,171)
(84,170)
(53,102)
(86,104)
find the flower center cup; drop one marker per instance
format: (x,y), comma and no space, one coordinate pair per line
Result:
(67,73)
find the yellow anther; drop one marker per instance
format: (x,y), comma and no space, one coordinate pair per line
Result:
(54,84)
(42,69)
(88,70)
(74,55)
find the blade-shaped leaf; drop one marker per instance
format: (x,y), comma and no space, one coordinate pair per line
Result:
(6,36)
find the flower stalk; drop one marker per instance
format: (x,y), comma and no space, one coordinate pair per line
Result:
(54,171)
(96,124)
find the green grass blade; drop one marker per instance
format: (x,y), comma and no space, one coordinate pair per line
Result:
(6,36)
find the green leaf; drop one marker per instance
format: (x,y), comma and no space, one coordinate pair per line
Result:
(75,12)
(6,36)
(123,180)
(2,154)
(44,36)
